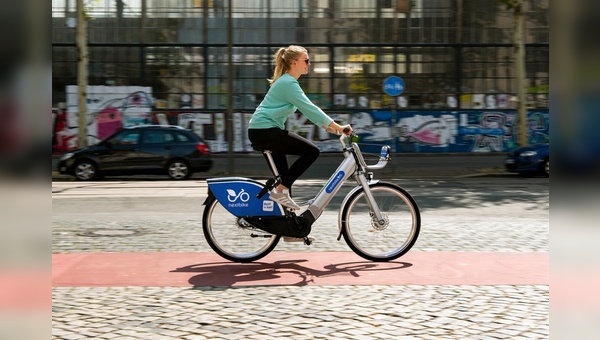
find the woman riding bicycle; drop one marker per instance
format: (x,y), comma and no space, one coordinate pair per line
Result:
(267,130)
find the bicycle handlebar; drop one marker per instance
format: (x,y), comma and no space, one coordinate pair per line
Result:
(335,132)
(384,155)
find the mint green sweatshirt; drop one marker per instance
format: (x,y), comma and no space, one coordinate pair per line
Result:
(282,100)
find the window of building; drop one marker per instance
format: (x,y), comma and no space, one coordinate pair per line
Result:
(178,48)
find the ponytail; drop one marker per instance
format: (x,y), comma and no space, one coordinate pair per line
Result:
(283,59)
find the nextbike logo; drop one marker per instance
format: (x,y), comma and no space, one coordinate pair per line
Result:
(238,200)
(335,181)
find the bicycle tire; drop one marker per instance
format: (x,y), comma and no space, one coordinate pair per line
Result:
(389,241)
(232,241)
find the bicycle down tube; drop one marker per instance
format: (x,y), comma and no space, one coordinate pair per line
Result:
(333,185)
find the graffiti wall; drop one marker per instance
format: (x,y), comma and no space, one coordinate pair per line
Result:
(466,131)
(404,131)
(109,108)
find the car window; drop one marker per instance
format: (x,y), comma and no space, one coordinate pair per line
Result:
(126,137)
(169,138)
(153,137)
(181,138)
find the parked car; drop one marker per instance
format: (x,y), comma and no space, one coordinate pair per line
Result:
(529,160)
(149,149)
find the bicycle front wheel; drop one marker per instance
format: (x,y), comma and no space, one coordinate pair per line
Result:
(385,241)
(233,239)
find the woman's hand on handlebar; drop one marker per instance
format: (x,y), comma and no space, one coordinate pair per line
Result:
(347,130)
(339,129)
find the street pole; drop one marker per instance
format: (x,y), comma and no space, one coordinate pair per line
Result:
(82,73)
(229,119)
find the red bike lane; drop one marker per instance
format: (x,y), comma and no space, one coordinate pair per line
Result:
(181,269)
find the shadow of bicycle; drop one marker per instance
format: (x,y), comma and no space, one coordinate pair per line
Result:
(284,272)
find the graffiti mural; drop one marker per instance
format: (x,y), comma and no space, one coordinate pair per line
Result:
(446,131)
(211,127)
(404,131)
(420,131)
(484,132)
(496,131)
(113,107)
(109,108)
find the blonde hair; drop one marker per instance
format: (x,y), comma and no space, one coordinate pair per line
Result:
(283,59)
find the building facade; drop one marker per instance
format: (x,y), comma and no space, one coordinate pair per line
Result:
(452,55)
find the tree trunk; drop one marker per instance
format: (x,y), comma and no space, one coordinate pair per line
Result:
(521,75)
(82,73)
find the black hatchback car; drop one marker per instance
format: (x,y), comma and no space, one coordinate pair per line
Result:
(149,149)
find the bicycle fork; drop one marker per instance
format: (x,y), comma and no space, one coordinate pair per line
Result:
(374,211)
(373,207)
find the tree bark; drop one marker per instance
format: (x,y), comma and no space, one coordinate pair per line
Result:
(521,75)
(82,73)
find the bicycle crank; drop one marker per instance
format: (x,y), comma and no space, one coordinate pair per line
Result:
(296,226)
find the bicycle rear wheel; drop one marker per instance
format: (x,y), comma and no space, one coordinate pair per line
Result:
(231,238)
(387,241)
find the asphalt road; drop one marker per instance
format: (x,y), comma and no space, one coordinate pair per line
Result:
(400,166)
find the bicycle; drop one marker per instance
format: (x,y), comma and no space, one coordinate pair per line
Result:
(380,221)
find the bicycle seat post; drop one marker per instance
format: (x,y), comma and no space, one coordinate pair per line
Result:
(273,182)
(269,158)
(271,162)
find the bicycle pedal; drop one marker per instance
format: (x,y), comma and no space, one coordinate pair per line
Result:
(306,240)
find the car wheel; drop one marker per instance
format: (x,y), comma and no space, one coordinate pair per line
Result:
(178,170)
(85,170)
(546,167)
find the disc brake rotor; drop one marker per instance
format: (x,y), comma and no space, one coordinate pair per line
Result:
(380,225)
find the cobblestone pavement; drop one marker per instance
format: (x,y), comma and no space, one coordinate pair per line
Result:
(516,222)
(310,312)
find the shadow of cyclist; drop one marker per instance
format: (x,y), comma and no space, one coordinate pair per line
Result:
(285,272)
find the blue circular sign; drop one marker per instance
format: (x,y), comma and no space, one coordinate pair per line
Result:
(393,86)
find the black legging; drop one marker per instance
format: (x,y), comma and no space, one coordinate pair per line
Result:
(282,143)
